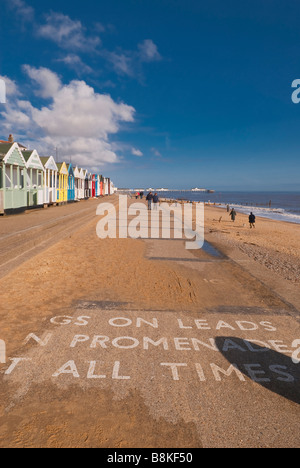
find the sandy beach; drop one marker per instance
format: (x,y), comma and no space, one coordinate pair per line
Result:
(256,282)
(274,244)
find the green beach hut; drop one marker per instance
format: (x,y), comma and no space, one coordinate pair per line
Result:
(13,178)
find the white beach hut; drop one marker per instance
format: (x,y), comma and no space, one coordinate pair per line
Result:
(82,184)
(50,185)
(35,178)
(98,186)
(77,183)
(105,186)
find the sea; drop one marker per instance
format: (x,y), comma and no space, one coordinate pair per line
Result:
(282,206)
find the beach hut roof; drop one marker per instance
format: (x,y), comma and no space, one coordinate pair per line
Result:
(27,154)
(45,159)
(70,168)
(49,162)
(62,168)
(32,159)
(10,153)
(76,172)
(4,149)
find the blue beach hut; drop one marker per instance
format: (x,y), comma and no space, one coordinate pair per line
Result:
(71,183)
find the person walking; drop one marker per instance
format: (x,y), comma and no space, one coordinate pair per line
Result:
(149,199)
(155,201)
(233,214)
(252,220)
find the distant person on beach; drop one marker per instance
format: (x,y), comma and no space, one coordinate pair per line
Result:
(137,195)
(141,195)
(155,201)
(233,214)
(252,220)
(149,199)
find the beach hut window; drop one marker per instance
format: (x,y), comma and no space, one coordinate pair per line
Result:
(40,179)
(22,179)
(8,177)
(15,177)
(29,181)
(33,179)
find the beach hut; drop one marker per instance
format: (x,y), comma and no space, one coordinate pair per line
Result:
(86,184)
(93,185)
(98,185)
(104,186)
(62,183)
(13,175)
(82,184)
(107,189)
(112,188)
(35,178)
(71,183)
(79,177)
(77,183)
(90,176)
(101,186)
(50,181)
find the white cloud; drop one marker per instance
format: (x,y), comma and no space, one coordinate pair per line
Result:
(15,118)
(149,51)
(78,120)
(136,152)
(11,87)
(48,81)
(122,62)
(156,152)
(89,153)
(67,33)
(72,36)
(129,62)
(77,110)
(21,8)
(76,63)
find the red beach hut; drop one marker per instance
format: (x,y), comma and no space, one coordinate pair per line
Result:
(93,185)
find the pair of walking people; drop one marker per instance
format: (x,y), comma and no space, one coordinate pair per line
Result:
(152,199)
(251,218)
(139,195)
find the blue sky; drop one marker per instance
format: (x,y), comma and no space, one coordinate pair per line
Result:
(157,93)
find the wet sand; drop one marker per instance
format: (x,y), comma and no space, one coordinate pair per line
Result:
(145,402)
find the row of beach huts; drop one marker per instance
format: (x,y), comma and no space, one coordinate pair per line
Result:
(28,180)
